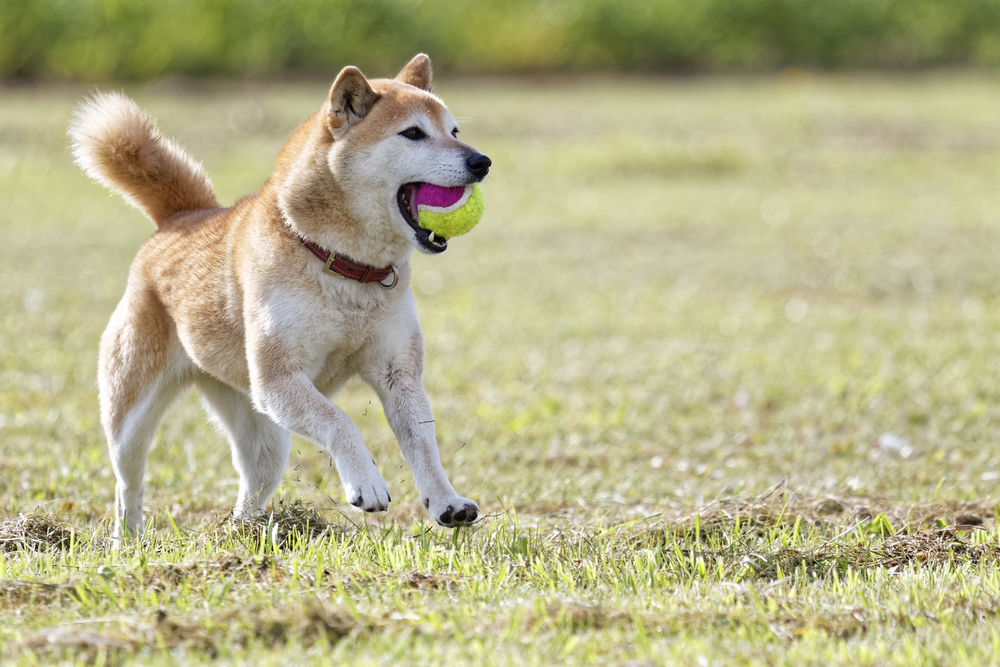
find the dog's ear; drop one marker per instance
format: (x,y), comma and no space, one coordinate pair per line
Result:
(417,72)
(351,98)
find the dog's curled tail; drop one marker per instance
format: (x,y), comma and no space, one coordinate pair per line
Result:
(119,145)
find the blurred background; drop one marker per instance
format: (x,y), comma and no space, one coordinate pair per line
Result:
(98,40)
(769,231)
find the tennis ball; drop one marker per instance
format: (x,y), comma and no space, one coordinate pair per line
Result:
(448,212)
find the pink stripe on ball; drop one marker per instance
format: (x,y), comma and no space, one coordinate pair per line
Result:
(434,195)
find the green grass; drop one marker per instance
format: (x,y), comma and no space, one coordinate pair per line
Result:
(660,363)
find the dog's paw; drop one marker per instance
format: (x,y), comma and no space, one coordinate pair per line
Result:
(366,489)
(452,512)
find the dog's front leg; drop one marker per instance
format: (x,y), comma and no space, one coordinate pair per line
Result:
(396,379)
(291,400)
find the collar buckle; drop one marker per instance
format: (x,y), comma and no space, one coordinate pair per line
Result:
(343,267)
(328,267)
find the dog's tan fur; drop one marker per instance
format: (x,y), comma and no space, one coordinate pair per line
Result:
(229,300)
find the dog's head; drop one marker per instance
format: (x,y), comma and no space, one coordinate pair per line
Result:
(382,137)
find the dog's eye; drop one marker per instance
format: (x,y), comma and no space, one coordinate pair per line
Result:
(414,133)
(454,132)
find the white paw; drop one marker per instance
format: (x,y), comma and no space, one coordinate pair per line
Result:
(452,512)
(365,488)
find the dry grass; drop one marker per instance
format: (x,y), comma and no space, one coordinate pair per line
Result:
(34,532)
(283,524)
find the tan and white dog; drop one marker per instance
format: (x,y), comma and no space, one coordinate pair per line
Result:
(235,301)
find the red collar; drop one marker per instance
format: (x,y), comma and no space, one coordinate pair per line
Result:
(345,268)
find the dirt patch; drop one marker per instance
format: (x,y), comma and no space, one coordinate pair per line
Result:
(308,622)
(780,508)
(29,594)
(750,538)
(576,617)
(932,548)
(235,566)
(425,581)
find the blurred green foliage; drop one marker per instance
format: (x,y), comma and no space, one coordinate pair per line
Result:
(139,39)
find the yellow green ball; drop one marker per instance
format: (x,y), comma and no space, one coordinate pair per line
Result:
(454,220)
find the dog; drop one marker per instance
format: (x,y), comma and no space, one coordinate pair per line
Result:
(270,306)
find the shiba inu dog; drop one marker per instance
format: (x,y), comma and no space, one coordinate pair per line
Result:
(270,306)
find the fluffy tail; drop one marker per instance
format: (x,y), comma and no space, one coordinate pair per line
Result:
(119,145)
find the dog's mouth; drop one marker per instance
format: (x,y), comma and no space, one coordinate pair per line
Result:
(429,241)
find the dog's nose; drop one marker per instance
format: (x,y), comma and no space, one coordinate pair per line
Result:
(479,165)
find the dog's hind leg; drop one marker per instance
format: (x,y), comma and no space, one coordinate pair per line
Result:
(142,369)
(260,447)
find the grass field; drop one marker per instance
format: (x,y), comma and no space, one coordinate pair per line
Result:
(661,364)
